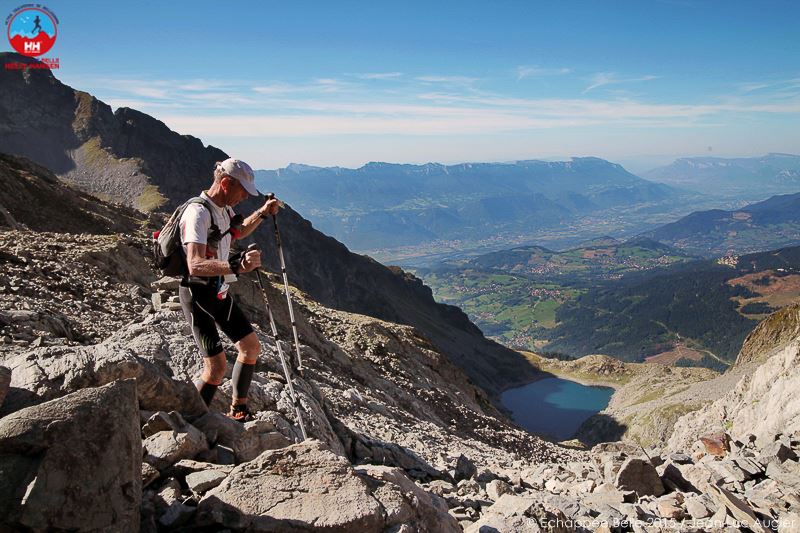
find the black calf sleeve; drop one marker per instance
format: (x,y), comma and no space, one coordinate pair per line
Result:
(206,390)
(241,377)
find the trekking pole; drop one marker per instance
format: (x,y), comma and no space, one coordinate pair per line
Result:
(286,290)
(292,395)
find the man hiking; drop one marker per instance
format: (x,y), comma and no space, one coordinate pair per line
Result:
(206,240)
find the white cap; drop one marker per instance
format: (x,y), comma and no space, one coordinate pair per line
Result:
(241,171)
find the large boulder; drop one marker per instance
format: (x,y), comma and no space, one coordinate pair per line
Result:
(46,373)
(639,476)
(73,463)
(405,503)
(304,487)
(363,449)
(165,448)
(509,514)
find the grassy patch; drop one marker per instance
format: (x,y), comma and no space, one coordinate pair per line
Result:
(150,199)
(649,397)
(93,153)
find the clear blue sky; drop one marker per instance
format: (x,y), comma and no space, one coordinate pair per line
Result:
(343,83)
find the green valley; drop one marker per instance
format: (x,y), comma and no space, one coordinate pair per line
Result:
(637,300)
(514,295)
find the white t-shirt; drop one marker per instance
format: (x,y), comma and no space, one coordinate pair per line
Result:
(196,222)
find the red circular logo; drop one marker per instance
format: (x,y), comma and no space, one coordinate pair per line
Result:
(32,31)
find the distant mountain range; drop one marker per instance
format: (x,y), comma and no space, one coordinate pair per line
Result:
(384,205)
(745,177)
(773,223)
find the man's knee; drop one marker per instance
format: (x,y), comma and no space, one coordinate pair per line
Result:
(249,348)
(214,368)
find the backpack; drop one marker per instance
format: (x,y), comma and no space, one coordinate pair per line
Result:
(167,246)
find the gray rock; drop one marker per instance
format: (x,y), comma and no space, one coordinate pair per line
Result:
(246,440)
(750,466)
(219,429)
(258,436)
(225,455)
(73,463)
(776,451)
(166,448)
(671,506)
(727,470)
(496,488)
(639,476)
(162,421)
(390,454)
(406,503)
(169,494)
(205,480)
(789,523)
(522,513)
(177,515)
(47,373)
(184,467)
(149,474)
(739,509)
(157,300)
(672,477)
(611,467)
(440,487)
(680,458)
(511,505)
(465,469)
(304,486)
(697,476)
(489,523)
(697,507)
(788,477)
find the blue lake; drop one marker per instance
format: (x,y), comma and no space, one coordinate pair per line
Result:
(555,407)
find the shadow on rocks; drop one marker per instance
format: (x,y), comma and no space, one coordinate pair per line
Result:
(600,428)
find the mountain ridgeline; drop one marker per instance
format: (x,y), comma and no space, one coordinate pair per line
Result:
(384,205)
(773,223)
(128,157)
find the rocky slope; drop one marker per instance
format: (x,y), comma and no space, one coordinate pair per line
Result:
(132,158)
(764,401)
(400,441)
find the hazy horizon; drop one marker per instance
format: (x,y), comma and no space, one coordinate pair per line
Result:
(638,164)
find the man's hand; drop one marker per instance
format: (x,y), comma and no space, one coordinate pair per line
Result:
(270,207)
(251,260)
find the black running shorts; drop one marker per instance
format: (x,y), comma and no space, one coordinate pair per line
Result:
(204,312)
